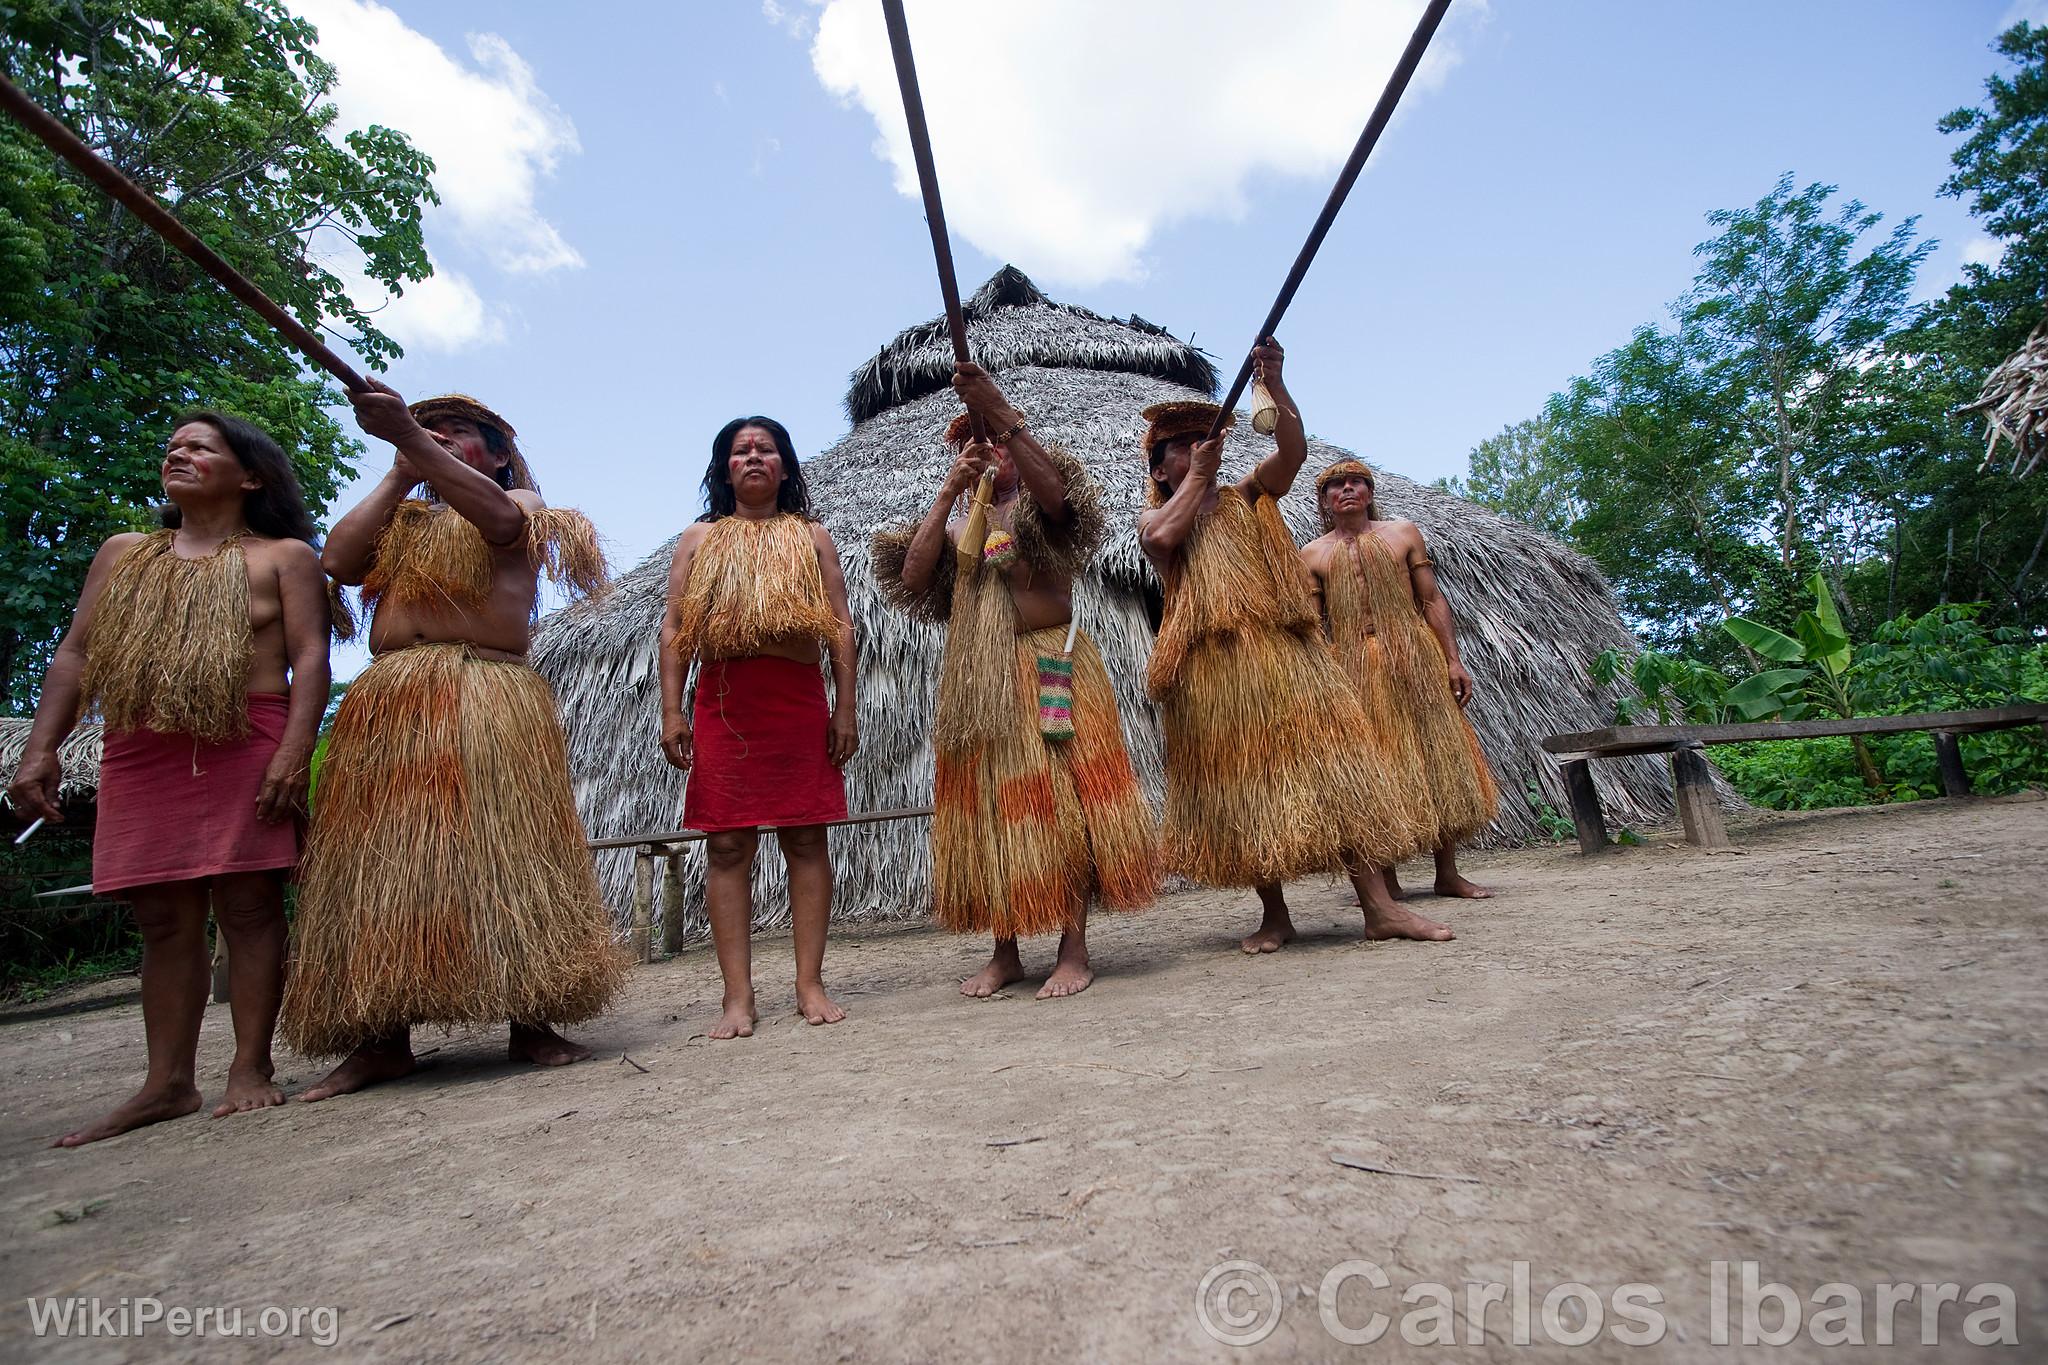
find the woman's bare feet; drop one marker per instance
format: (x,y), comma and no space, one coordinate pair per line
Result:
(1458,886)
(249,1087)
(541,1045)
(1068,978)
(151,1104)
(1005,968)
(1071,974)
(370,1064)
(817,1007)
(738,1020)
(1398,921)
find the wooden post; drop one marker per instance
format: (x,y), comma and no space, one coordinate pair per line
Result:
(1585,804)
(672,904)
(643,904)
(220,967)
(1948,758)
(1696,807)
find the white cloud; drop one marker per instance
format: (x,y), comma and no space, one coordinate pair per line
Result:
(491,130)
(1983,250)
(1068,133)
(790,18)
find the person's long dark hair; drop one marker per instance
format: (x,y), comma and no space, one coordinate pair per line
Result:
(793,496)
(277,510)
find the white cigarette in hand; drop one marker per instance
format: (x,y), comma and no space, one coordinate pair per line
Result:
(22,837)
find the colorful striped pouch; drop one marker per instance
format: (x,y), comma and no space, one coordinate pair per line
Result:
(1056,691)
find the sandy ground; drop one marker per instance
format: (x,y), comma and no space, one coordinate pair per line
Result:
(1823,1055)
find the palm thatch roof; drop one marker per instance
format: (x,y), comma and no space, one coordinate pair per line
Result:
(2014,402)
(78,758)
(1531,613)
(1011,323)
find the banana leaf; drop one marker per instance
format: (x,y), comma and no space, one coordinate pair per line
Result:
(1772,644)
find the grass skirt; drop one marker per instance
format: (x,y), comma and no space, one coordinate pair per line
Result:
(1268,773)
(1394,660)
(445,879)
(1025,832)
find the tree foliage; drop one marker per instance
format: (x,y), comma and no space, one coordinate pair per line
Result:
(218,108)
(1799,417)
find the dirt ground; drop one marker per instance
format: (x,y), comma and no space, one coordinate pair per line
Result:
(1823,1055)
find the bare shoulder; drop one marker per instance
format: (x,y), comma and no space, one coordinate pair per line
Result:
(528,500)
(1400,532)
(119,544)
(822,538)
(282,554)
(692,536)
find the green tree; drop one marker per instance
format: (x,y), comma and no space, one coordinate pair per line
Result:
(1789,318)
(1521,473)
(217,107)
(2001,169)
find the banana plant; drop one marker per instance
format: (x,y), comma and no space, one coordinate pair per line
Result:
(1673,687)
(1817,656)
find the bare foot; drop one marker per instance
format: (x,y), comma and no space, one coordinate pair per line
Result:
(1456,885)
(1068,978)
(1393,881)
(249,1087)
(370,1064)
(1397,921)
(541,1045)
(817,1006)
(1270,938)
(146,1106)
(1003,969)
(738,1019)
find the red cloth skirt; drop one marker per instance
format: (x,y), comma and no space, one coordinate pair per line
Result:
(171,809)
(759,729)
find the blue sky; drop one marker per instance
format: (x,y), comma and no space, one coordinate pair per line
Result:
(660,217)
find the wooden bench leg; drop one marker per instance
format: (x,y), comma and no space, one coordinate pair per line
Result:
(643,905)
(1695,788)
(672,906)
(1948,758)
(1585,804)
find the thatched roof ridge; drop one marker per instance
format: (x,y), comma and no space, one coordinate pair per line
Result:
(78,758)
(1532,615)
(1010,322)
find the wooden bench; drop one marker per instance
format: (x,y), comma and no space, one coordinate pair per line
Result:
(647,847)
(1694,780)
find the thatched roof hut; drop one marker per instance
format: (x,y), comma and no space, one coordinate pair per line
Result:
(2014,402)
(78,762)
(1532,614)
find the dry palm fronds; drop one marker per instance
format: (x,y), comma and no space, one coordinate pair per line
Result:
(430,557)
(753,584)
(1023,833)
(564,545)
(2014,401)
(170,642)
(887,549)
(1268,773)
(445,878)
(1062,548)
(1532,614)
(1238,571)
(1393,658)
(979,663)
(78,757)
